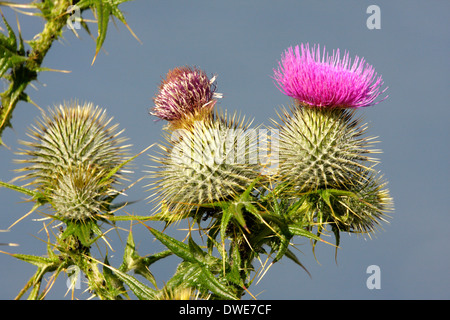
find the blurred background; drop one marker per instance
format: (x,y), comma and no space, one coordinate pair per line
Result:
(242,41)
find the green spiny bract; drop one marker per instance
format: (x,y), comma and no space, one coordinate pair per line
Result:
(322,148)
(363,209)
(323,160)
(359,210)
(211,161)
(71,157)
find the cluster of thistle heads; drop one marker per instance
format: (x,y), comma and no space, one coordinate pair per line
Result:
(317,145)
(317,150)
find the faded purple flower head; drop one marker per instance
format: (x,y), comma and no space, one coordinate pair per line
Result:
(184,92)
(318,79)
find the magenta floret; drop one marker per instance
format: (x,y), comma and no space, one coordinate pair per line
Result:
(322,80)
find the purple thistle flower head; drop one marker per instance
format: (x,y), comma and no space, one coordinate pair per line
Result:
(323,80)
(185,92)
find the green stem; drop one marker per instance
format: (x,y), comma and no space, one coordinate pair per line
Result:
(55,14)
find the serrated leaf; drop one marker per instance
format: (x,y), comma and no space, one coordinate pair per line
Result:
(177,247)
(236,209)
(141,291)
(104,9)
(10,54)
(83,230)
(156,257)
(281,230)
(198,274)
(19,189)
(112,280)
(199,277)
(294,258)
(209,281)
(132,261)
(197,252)
(40,262)
(282,247)
(299,231)
(226,217)
(128,254)
(234,275)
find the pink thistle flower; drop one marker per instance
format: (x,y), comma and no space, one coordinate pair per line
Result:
(321,80)
(183,93)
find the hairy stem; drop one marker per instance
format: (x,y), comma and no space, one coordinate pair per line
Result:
(55,14)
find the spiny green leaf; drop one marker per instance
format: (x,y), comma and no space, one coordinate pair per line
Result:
(104,9)
(234,275)
(197,252)
(238,215)
(130,218)
(10,54)
(83,231)
(129,253)
(149,260)
(209,281)
(198,274)
(133,261)
(282,247)
(112,280)
(141,291)
(40,262)
(177,247)
(226,216)
(299,231)
(281,231)
(200,277)
(19,189)
(294,258)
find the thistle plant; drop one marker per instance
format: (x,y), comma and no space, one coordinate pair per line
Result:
(73,164)
(204,164)
(324,155)
(71,158)
(22,61)
(208,171)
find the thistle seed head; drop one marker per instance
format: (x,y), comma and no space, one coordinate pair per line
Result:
(210,162)
(322,148)
(72,152)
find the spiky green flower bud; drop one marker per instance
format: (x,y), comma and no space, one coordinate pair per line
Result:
(324,156)
(322,148)
(363,210)
(214,160)
(73,151)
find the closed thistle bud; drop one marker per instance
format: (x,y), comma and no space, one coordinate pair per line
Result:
(214,160)
(70,158)
(363,209)
(322,148)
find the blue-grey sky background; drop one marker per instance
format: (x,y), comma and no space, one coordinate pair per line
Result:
(242,41)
